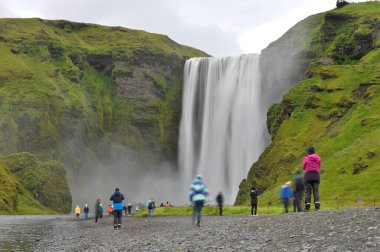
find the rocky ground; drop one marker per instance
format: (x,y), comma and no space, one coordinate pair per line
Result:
(343,230)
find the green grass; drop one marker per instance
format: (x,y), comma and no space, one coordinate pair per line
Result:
(29,186)
(263,208)
(335,110)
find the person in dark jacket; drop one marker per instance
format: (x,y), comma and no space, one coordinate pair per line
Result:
(286,193)
(220,201)
(97,210)
(117,199)
(298,191)
(129,209)
(254,193)
(311,165)
(86,210)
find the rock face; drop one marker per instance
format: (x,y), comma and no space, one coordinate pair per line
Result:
(83,93)
(334,57)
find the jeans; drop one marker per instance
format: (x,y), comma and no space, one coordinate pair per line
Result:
(117,218)
(220,210)
(150,212)
(312,186)
(297,204)
(253,206)
(197,210)
(286,204)
(86,215)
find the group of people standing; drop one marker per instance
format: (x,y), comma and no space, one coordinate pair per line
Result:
(307,183)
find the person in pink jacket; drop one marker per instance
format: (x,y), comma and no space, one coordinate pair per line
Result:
(311,165)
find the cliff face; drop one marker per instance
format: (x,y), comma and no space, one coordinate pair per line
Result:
(83,93)
(336,56)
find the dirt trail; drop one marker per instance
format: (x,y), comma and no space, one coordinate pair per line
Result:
(343,230)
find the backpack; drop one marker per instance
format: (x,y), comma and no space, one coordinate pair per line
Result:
(198,189)
(150,205)
(101,209)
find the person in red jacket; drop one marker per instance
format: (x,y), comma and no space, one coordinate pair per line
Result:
(311,165)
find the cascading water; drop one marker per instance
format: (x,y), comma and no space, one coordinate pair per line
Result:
(223,125)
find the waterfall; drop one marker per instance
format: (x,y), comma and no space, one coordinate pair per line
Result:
(223,124)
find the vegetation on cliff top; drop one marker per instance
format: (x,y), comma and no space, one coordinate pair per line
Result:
(335,109)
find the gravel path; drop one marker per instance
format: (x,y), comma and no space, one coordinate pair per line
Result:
(22,232)
(343,230)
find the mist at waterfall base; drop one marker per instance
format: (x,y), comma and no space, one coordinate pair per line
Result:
(138,177)
(223,125)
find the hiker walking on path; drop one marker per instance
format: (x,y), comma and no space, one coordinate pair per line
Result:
(254,193)
(197,196)
(86,210)
(220,201)
(286,194)
(298,191)
(77,211)
(101,211)
(150,206)
(98,212)
(117,199)
(311,165)
(129,209)
(110,210)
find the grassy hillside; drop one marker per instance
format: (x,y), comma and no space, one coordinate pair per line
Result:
(335,108)
(83,94)
(29,186)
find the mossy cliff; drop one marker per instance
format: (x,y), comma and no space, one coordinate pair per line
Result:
(29,186)
(335,106)
(73,91)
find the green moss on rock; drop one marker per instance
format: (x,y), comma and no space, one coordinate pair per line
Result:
(39,184)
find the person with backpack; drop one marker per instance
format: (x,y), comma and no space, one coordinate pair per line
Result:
(101,211)
(286,194)
(220,201)
(150,206)
(117,199)
(311,165)
(254,193)
(86,210)
(197,196)
(97,210)
(298,191)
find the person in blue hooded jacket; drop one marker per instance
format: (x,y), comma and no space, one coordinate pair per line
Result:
(117,199)
(286,194)
(197,196)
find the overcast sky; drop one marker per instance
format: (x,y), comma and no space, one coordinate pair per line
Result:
(219,27)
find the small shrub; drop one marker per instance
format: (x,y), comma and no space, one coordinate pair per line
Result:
(311,102)
(370,154)
(342,171)
(359,167)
